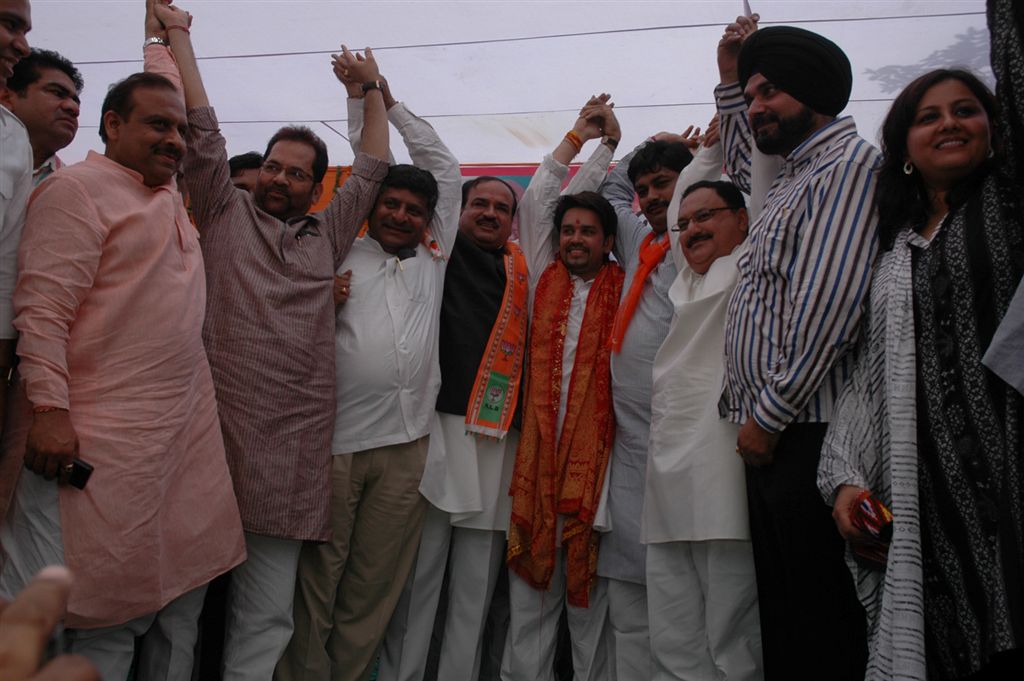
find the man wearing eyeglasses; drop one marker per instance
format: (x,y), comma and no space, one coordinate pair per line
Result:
(700,565)
(269,334)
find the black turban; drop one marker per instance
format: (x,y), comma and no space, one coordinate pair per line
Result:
(809,67)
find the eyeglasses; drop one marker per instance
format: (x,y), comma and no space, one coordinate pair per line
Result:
(292,174)
(699,217)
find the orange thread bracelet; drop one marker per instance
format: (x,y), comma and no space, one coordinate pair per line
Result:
(574,139)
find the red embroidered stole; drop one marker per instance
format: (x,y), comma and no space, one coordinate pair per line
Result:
(564,474)
(495,393)
(651,254)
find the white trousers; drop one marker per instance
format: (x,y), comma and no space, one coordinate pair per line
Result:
(473,560)
(167,646)
(628,620)
(258,621)
(533,630)
(703,611)
(31,539)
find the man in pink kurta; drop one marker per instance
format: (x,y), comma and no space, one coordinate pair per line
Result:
(110,304)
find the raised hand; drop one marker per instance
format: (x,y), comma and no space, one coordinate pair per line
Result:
(594,116)
(153,26)
(713,134)
(354,67)
(729,46)
(169,15)
(353,87)
(690,137)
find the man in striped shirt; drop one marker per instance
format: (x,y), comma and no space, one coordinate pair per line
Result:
(792,320)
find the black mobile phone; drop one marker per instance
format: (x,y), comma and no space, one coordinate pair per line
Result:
(79,475)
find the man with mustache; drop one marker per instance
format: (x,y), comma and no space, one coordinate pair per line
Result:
(110,303)
(700,564)
(269,332)
(472,442)
(44,94)
(15,187)
(793,318)
(649,172)
(568,423)
(388,376)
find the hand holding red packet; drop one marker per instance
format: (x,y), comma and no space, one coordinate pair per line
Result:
(871,517)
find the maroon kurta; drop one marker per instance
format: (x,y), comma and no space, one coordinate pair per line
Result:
(269,333)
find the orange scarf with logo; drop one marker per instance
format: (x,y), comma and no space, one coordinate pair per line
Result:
(562,473)
(651,254)
(495,393)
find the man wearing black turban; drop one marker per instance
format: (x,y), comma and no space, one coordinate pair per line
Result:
(792,320)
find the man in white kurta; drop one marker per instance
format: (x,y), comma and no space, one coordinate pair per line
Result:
(469,465)
(386,353)
(648,172)
(700,569)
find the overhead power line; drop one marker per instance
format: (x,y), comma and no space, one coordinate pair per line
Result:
(549,36)
(329,122)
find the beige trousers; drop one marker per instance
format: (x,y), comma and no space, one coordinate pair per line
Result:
(347,588)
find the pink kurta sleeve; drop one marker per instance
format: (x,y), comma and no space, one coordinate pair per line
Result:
(57,262)
(160,60)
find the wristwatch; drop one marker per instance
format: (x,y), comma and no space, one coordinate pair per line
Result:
(373,85)
(154,40)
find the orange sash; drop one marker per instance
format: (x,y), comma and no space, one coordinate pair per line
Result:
(651,254)
(496,388)
(563,474)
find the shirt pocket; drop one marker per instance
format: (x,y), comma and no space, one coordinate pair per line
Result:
(416,276)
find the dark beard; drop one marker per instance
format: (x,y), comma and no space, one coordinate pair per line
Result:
(789,132)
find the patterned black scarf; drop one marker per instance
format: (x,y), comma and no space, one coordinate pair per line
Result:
(971,472)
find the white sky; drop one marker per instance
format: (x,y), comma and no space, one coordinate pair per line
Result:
(659,65)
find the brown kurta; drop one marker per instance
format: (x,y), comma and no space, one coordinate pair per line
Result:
(269,333)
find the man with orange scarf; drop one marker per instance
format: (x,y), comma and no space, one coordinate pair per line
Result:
(649,172)
(568,423)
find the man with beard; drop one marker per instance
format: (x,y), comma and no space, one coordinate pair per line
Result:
(386,345)
(110,301)
(43,93)
(269,333)
(792,321)
(568,424)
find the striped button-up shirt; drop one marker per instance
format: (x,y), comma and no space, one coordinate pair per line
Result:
(793,317)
